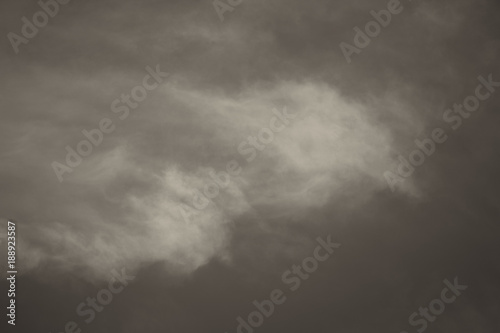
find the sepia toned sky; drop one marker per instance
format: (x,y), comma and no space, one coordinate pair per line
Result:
(323,174)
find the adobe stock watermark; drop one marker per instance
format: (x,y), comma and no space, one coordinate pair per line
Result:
(30,29)
(454,117)
(372,29)
(103,298)
(420,320)
(293,279)
(249,149)
(121,106)
(222,6)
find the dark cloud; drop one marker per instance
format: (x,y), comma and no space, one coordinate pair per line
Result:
(321,175)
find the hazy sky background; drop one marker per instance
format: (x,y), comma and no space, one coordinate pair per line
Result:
(322,175)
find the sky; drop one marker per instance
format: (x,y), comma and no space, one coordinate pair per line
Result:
(315,137)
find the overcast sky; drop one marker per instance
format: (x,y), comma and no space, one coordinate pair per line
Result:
(129,203)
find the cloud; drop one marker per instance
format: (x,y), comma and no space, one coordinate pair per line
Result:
(135,189)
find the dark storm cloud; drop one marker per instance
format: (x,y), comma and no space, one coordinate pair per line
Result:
(323,174)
